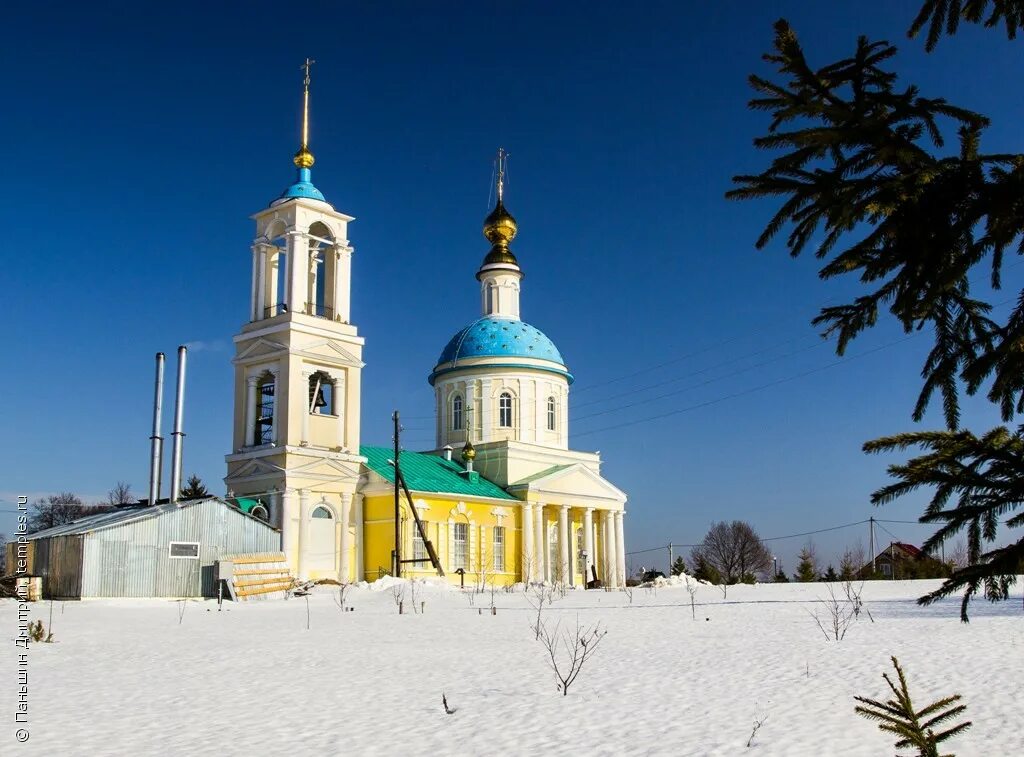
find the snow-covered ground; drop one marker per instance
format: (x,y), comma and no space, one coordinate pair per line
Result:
(126,678)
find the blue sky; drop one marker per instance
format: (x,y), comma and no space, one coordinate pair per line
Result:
(140,139)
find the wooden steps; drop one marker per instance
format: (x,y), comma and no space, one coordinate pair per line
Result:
(260,576)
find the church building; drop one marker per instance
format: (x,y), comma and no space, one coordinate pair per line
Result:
(502,498)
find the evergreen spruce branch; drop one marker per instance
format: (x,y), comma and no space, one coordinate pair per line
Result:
(944,16)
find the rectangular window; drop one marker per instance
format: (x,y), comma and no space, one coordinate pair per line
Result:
(886,569)
(183,550)
(498,547)
(459,545)
(552,409)
(419,548)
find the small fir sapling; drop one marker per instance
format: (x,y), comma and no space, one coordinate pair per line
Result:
(36,632)
(913,728)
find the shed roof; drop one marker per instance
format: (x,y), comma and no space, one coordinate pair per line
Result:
(123,515)
(430,473)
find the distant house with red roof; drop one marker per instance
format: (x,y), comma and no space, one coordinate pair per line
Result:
(900,560)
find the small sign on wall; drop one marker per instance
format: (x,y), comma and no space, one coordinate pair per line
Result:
(184,550)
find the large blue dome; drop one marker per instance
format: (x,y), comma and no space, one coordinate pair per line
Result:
(499,338)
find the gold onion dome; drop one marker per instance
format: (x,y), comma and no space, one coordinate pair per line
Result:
(304,158)
(468,453)
(500,228)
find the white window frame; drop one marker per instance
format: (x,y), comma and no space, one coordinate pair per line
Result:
(460,547)
(503,410)
(498,548)
(419,546)
(172,556)
(552,414)
(458,408)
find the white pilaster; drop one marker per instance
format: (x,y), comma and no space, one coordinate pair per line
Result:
(339,407)
(620,549)
(304,391)
(527,532)
(607,549)
(298,268)
(287,516)
(486,411)
(278,407)
(539,544)
(346,505)
(342,279)
(360,553)
(303,532)
(588,543)
(251,385)
(255,288)
(563,545)
(261,284)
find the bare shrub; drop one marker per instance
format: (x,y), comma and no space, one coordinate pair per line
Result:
(853,596)
(414,595)
(537,596)
(342,598)
(569,651)
(628,591)
(837,615)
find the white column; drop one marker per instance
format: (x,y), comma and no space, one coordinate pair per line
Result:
(607,550)
(251,385)
(563,421)
(345,572)
(360,555)
(588,542)
(261,284)
(339,407)
(620,549)
(527,536)
(303,532)
(342,279)
(254,296)
(563,544)
(541,553)
(304,391)
(298,271)
(287,528)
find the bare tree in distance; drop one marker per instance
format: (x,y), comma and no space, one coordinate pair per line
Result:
(734,550)
(958,555)
(121,494)
(854,558)
(58,509)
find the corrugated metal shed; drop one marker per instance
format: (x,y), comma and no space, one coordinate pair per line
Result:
(128,552)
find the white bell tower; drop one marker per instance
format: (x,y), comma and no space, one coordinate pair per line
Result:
(298,364)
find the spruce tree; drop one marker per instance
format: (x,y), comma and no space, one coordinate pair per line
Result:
(864,180)
(830,575)
(914,728)
(781,577)
(678,566)
(194,488)
(806,570)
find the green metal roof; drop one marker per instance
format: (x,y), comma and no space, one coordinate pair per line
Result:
(431,473)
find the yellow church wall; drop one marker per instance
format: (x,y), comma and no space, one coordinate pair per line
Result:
(439,516)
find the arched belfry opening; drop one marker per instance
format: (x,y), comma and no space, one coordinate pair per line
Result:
(322,285)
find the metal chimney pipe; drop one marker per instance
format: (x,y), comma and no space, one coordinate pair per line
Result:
(179,408)
(157,441)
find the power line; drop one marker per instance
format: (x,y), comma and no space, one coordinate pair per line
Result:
(770,538)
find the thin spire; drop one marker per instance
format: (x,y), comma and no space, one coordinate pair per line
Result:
(304,158)
(502,162)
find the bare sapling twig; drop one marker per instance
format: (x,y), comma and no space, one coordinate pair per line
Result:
(536,597)
(398,594)
(691,588)
(341,599)
(414,596)
(853,596)
(181,610)
(628,591)
(579,646)
(840,615)
(447,710)
(759,720)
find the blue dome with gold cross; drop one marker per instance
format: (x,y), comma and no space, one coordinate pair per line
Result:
(509,339)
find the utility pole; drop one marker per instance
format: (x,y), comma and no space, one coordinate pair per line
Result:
(871,542)
(397,572)
(670,558)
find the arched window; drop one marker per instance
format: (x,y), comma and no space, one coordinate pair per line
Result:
(457,412)
(505,410)
(321,394)
(264,429)
(552,413)
(321,512)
